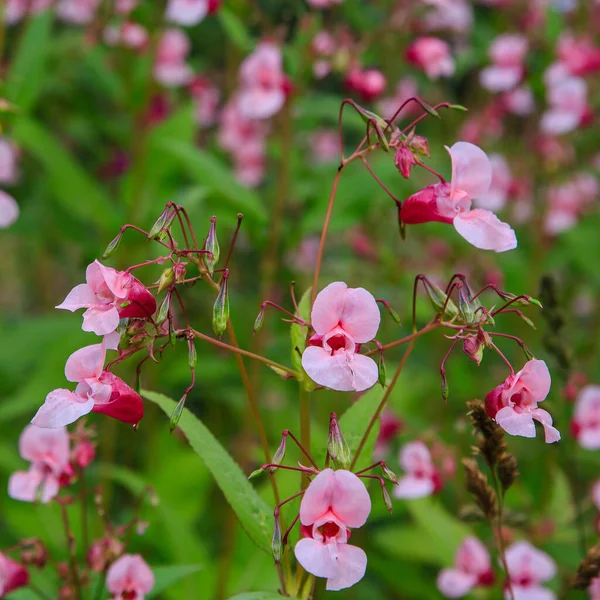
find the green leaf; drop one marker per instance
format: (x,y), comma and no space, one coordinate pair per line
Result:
(253,512)
(28,68)
(165,577)
(235,30)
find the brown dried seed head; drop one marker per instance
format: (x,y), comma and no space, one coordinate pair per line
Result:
(490,443)
(589,568)
(480,489)
(508,470)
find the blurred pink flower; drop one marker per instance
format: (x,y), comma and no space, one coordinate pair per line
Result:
(453,15)
(9,210)
(324,43)
(406,88)
(594,589)
(124,7)
(13,575)
(48,452)
(569,106)
(129,34)
(528,567)
(343,318)
(324,146)
(472,569)
(580,56)
(78,12)
(170,67)
(390,425)
(367,83)
(129,577)
(586,418)
(109,295)
(15,10)
(104,552)
(323,3)
(497,196)
(451,202)
(514,403)
(519,101)
(508,54)
(9,172)
(206,100)
(422,477)
(263,84)
(432,55)
(97,391)
(186,12)
(334,501)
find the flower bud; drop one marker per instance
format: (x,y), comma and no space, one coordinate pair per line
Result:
(280,452)
(473,347)
(211,244)
(192,355)
(388,473)
(163,311)
(176,414)
(336,445)
(166,279)
(404,161)
(260,319)
(276,544)
(112,246)
(419,145)
(386,498)
(221,307)
(439,299)
(381,370)
(162,223)
(179,272)
(445,390)
(256,473)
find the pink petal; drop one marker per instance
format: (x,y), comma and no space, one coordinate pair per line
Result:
(453,583)
(589,438)
(535,376)
(515,423)
(258,103)
(559,121)
(86,363)
(500,79)
(9,210)
(352,562)
(524,559)
(587,403)
(484,230)
(317,498)
(101,321)
(61,408)
(13,575)
(81,296)
(186,12)
(173,74)
(473,557)
(530,592)
(316,558)
(415,456)
(410,486)
(364,372)
(471,169)
(124,404)
(422,207)
(551,434)
(32,486)
(130,571)
(360,316)
(328,307)
(111,341)
(118,282)
(350,500)
(330,371)
(38,445)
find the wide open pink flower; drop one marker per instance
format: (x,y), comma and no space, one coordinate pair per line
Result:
(263,84)
(508,54)
(472,569)
(13,575)
(528,567)
(109,295)
(129,578)
(97,391)
(9,210)
(422,477)
(334,501)
(48,452)
(432,55)
(514,403)
(343,318)
(586,417)
(451,202)
(170,67)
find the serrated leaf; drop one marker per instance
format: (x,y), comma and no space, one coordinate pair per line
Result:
(252,511)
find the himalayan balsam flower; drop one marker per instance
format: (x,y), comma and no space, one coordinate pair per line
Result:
(421,476)
(502,180)
(451,202)
(9,210)
(189,12)
(508,55)
(472,569)
(333,502)
(48,452)
(528,567)
(109,295)
(514,403)
(12,575)
(586,418)
(129,577)
(367,83)
(97,391)
(432,55)
(15,10)
(342,318)
(569,106)
(170,67)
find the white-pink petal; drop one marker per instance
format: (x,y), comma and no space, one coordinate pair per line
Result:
(32,486)
(551,434)
(410,487)
(81,296)
(365,372)
(316,558)
(85,363)
(9,210)
(101,319)
(48,446)
(130,572)
(515,423)
(454,583)
(484,230)
(186,12)
(61,408)
(522,558)
(471,169)
(352,563)
(500,79)
(332,371)
(328,306)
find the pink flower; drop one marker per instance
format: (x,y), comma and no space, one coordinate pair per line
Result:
(519,101)
(513,404)
(497,196)
(79,12)
(508,54)
(451,202)
(405,89)
(9,210)
(390,426)
(568,201)
(206,100)
(472,569)
(97,391)
(324,146)
(109,295)
(454,15)
(104,552)
(579,56)
(527,568)
(124,7)
(12,575)
(569,106)
(129,578)
(586,418)
(170,67)
(594,589)
(368,83)
(129,34)
(422,477)
(263,84)
(15,10)
(432,55)
(333,502)
(48,452)
(186,12)
(323,3)
(9,172)
(342,318)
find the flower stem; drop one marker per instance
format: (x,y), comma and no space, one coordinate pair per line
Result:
(405,340)
(73,570)
(304,426)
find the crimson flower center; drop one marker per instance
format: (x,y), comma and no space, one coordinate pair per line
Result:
(329,530)
(337,342)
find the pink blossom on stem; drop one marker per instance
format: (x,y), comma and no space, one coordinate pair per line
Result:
(432,55)
(333,502)
(78,12)
(97,391)
(421,476)
(343,318)
(528,567)
(263,84)
(451,202)
(9,210)
(473,568)
(586,418)
(109,295)
(569,106)
(508,55)
(48,452)
(129,577)
(514,403)
(13,575)
(170,68)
